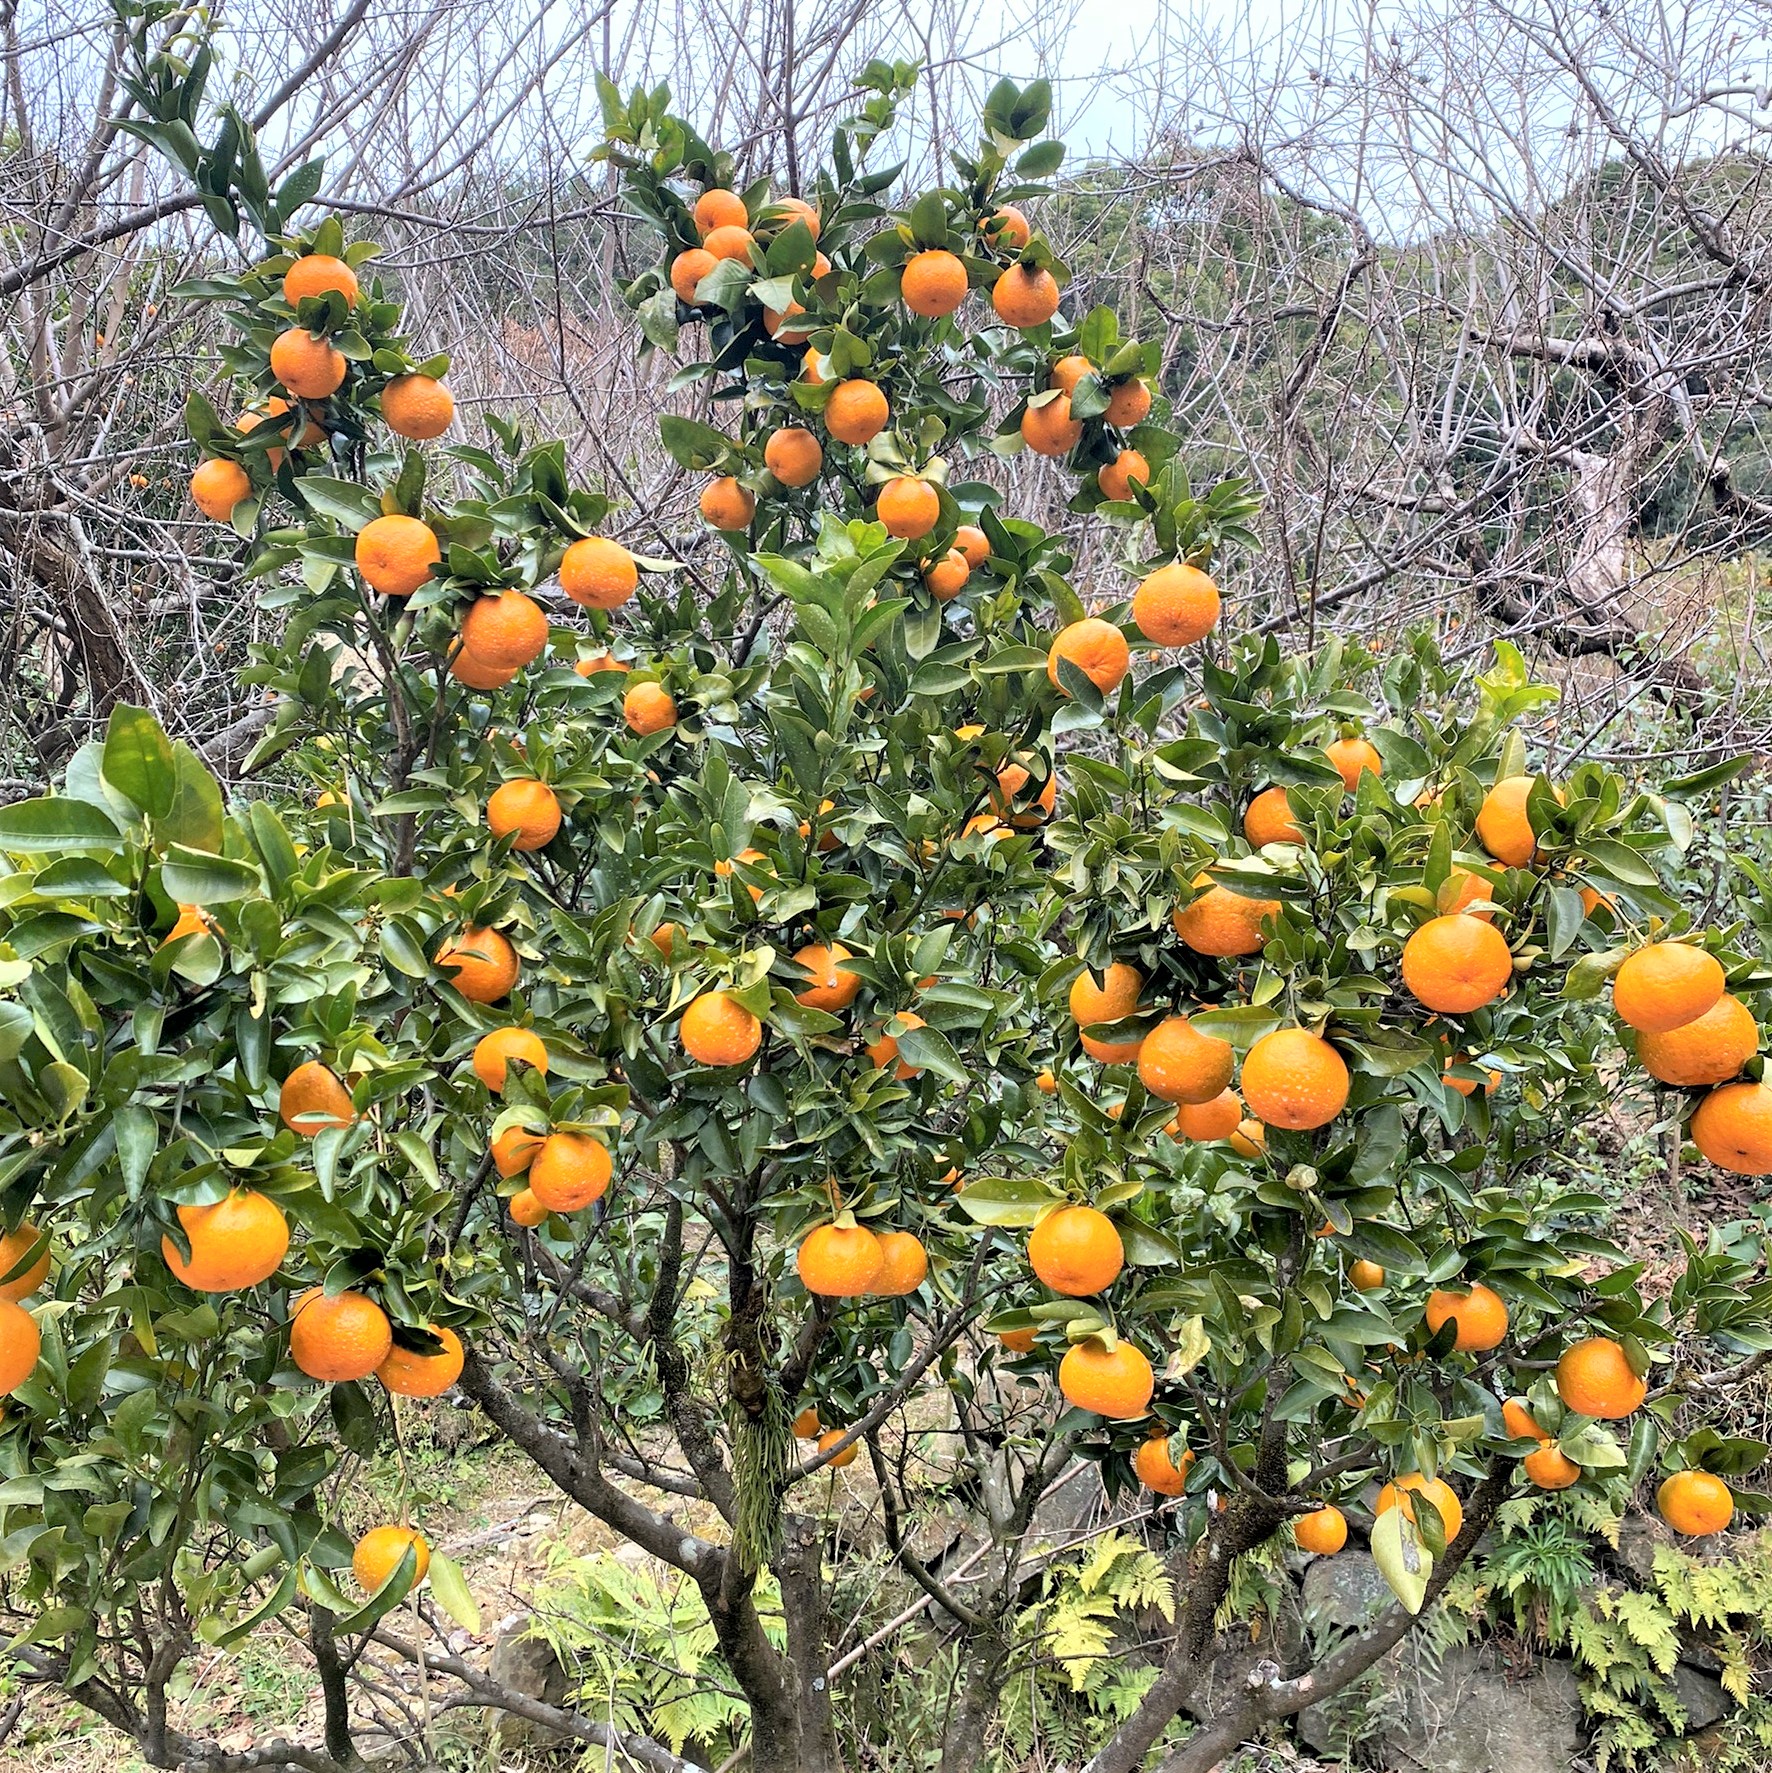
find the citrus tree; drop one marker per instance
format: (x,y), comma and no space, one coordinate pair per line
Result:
(846,988)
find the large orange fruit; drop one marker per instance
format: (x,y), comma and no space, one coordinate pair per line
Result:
(719,208)
(15,1246)
(728,505)
(1665,985)
(1457,964)
(1733,1128)
(829,1439)
(1176,605)
(1076,1251)
(649,708)
(1098,649)
(1156,1470)
(217,486)
(832,987)
(1595,1378)
(507,632)
(525,810)
(910,508)
(465,668)
(1436,1490)
(418,407)
(379,1552)
(1218,922)
(1519,1421)
(1111,1000)
(794,456)
(411,1374)
(1024,298)
(716,1030)
(570,1172)
(235,1243)
(316,274)
(904,1263)
(1550,1468)
(1352,759)
(312,1098)
(310,368)
(1129,404)
(1180,1064)
(1049,430)
(1115,480)
(1695,1503)
(856,412)
(839,1262)
(597,573)
(1268,819)
(932,283)
(1208,1121)
(21,1342)
(1709,1050)
(1479,1317)
(482,963)
(395,556)
(1503,828)
(338,1338)
(1295,1079)
(688,268)
(1322,1532)
(1116,1383)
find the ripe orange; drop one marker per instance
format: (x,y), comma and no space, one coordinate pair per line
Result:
(1457,964)
(494,1052)
(1733,1128)
(789,210)
(832,988)
(933,283)
(1467,1086)
(14,1247)
(1006,228)
(1113,999)
(312,1099)
(903,1265)
(1076,1251)
(839,1262)
(524,809)
(1710,1050)
(1695,1503)
(1129,404)
(723,869)
(236,1243)
(269,412)
(688,268)
(526,1210)
(1665,985)
(1519,1421)
(775,324)
(807,1426)
(856,412)
(1067,373)
(319,273)
(513,1151)
(417,407)
(1177,605)
(1115,480)
(719,208)
(648,708)
(1460,890)
(946,578)
(1436,1490)
(1322,1532)
(1295,1079)
(1115,1383)
(1268,819)
(483,964)
(408,1373)
(717,1031)
(344,1337)
(882,1051)
(729,243)
(810,372)
(310,368)
(664,938)
(1364,1276)
(1594,1378)
(465,668)
(507,631)
(1479,1317)
(1156,1470)
(600,662)
(1503,828)
(1046,1082)
(1352,759)
(570,1172)
(597,573)
(380,1551)
(910,508)
(1018,1341)
(1098,649)
(20,1344)
(217,486)
(974,544)
(395,556)
(1024,298)
(1222,923)
(1011,785)
(1550,1468)
(1249,1140)
(1049,429)
(1179,1064)
(1205,1122)
(727,505)
(829,1439)
(794,456)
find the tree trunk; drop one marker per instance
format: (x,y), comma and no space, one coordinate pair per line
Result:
(801,1569)
(982,1673)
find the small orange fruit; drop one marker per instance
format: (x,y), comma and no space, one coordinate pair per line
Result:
(1098,649)
(336,1339)
(514,1150)
(1249,1140)
(1295,1079)
(1177,605)
(719,208)
(794,456)
(1112,1000)
(1076,1251)
(379,1554)
(570,1172)
(483,964)
(807,1426)
(317,274)
(524,810)
(1221,923)
(235,1243)
(600,662)
(787,211)
(494,1052)
(217,486)
(829,1439)
(1460,891)
(1364,1276)
(1115,480)
(1665,985)
(1006,228)
(526,1210)
(882,1051)
(839,1262)
(1268,819)
(1049,430)
(1205,1122)
(465,668)
(933,283)
(597,573)
(832,988)
(1069,372)
(1479,1317)
(309,368)
(648,708)
(418,407)
(1519,1421)
(1156,1470)
(1733,1128)
(1695,1503)
(21,1342)
(946,578)
(1018,1341)
(688,268)
(192,920)
(395,555)
(1708,1050)
(904,1264)
(1503,827)
(974,544)
(1436,1490)
(1550,1468)
(1457,964)
(728,505)
(311,1099)
(718,1031)
(507,632)
(1595,1378)
(1116,1383)
(1178,1063)
(1322,1532)
(910,508)
(1129,404)
(1024,298)
(729,243)
(15,1246)
(407,1373)
(856,412)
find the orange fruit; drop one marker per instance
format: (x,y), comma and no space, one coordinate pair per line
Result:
(1049,429)
(1352,759)
(1364,1276)
(1076,1251)
(418,407)
(807,1426)
(1177,605)
(829,1439)
(1467,1086)
(664,938)
(1007,228)
(1205,1122)
(494,1052)
(910,508)
(1249,1140)
(1098,649)
(1024,298)
(727,505)
(1116,1383)
(526,1210)
(193,920)
(724,870)
(719,208)
(1222,923)
(20,1344)
(1595,1378)
(217,486)
(839,1262)
(379,1553)
(903,1265)
(513,1151)
(1457,964)
(974,544)
(1179,1064)
(1709,1050)
(1460,890)
(1695,1503)
(648,708)
(316,274)
(946,578)
(507,631)
(1665,985)
(269,412)
(465,668)
(1503,828)
(1068,373)
(14,1247)
(1322,1532)
(527,810)
(831,988)
(1115,480)
(1550,1468)
(1519,1421)
(1018,1341)
(1436,1490)
(235,1243)
(932,283)
(1268,819)
(1129,404)
(729,243)
(794,456)
(1733,1128)
(598,573)
(395,556)
(1295,1079)
(1156,1470)
(776,324)
(1046,1083)
(787,211)
(1479,1317)
(856,412)
(882,1051)
(311,1099)
(1113,999)
(717,1031)
(310,368)
(688,268)
(1011,785)
(408,1373)
(570,1172)
(483,964)
(344,1337)
(600,662)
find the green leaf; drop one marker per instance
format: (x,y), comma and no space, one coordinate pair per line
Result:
(694,445)
(342,500)
(450,1588)
(1403,1561)
(929,1050)
(138,759)
(1005,1200)
(54,823)
(193,877)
